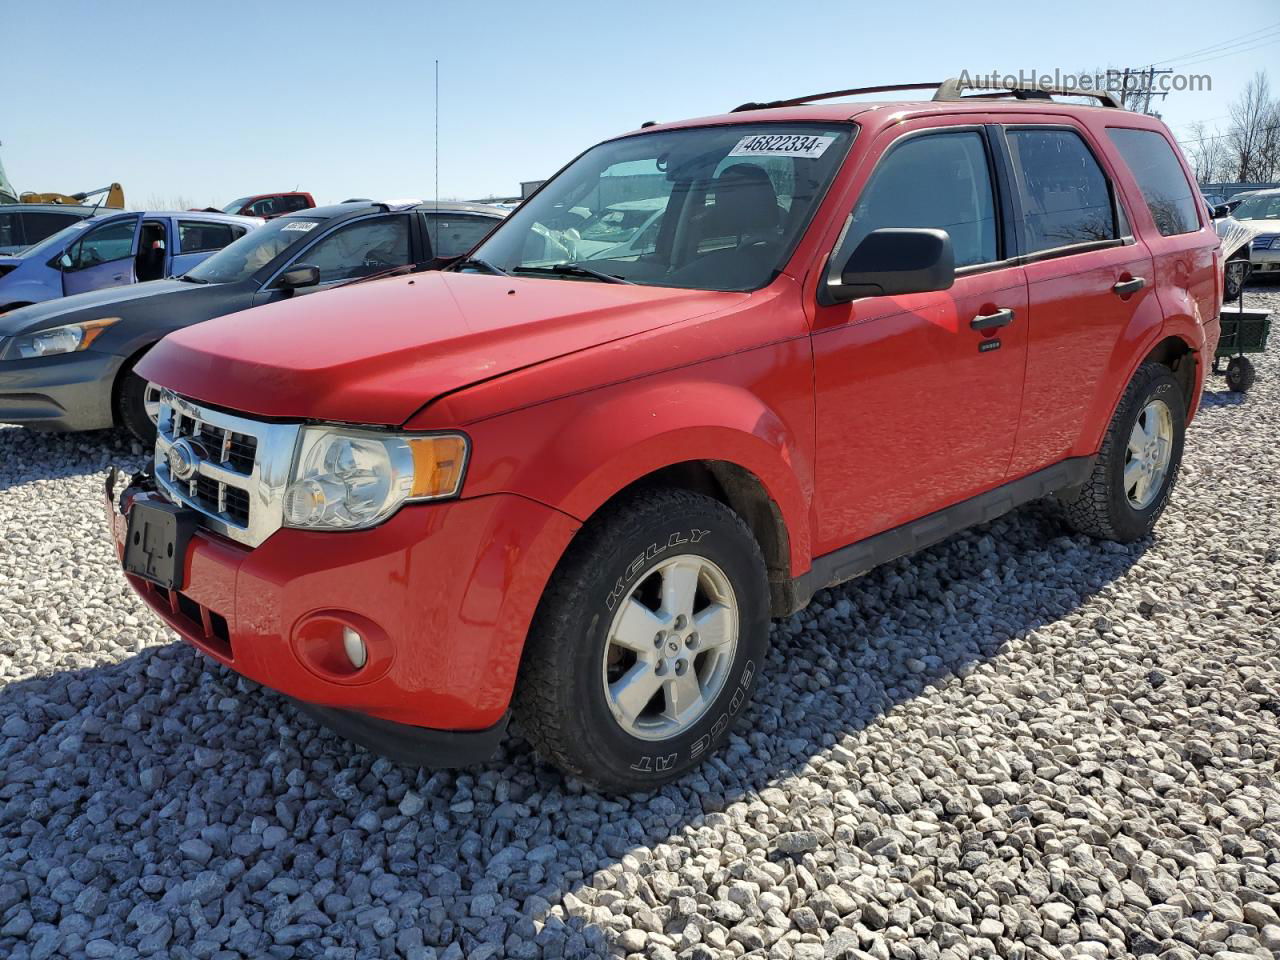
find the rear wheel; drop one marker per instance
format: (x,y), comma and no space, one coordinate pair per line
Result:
(1138,464)
(647,642)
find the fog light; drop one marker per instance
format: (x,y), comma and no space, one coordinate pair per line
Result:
(353,643)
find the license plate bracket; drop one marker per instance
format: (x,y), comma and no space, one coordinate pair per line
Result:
(155,546)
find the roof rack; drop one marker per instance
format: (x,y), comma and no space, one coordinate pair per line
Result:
(951,90)
(948,90)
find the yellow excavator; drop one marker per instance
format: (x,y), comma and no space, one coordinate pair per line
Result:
(114,200)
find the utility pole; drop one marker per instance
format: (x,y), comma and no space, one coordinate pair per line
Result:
(1138,88)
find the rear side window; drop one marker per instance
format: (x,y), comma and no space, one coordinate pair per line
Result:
(1066,199)
(194,237)
(452,236)
(37,226)
(1160,177)
(940,180)
(292,203)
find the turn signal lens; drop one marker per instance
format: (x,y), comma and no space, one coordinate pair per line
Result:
(437,465)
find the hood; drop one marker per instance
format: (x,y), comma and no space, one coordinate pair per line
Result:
(377,352)
(85,306)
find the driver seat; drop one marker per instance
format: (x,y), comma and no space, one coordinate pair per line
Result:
(745,208)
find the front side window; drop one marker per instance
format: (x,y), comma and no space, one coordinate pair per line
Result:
(718,207)
(1066,199)
(453,235)
(194,236)
(111,241)
(1164,186)
(361,248)
(253,251)
(938,180)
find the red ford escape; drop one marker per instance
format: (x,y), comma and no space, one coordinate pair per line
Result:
(708,369)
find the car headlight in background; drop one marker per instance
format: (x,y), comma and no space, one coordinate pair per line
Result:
(54,340)
(351,479)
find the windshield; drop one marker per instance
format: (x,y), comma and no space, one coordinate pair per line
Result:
(711,208)
(235,205)
(56,241)
(243,258)
(1262,207)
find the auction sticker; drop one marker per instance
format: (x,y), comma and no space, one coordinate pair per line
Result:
(298,226)
(805,145)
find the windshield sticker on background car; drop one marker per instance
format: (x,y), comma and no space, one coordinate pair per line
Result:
(782,145)
(299,226)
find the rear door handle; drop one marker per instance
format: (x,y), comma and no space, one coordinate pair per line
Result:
(1126,287)
(989,321)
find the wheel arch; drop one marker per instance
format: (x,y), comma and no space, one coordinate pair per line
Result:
(125,369)
(582,453)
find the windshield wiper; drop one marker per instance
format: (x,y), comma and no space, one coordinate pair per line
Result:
(190,279)
(574,270)
(479,264)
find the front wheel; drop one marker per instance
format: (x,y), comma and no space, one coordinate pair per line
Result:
(1137,466)
(647,643)
(138,407)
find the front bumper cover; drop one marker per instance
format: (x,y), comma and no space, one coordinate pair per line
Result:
(452,588)
(67,392)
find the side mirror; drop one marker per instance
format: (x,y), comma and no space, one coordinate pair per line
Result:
(299,275)
(895,260)
(1221,210)
(65,261)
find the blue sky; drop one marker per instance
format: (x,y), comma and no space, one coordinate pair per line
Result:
(208,101)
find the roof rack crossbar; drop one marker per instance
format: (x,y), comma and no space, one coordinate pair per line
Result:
(832,95)
(948,90)
(951,90)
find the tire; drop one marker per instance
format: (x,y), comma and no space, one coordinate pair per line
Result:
(624,560)
(1240,374)
(1104,506)
(1234,280)
(131,408)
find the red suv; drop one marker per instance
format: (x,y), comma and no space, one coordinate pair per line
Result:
(575,475)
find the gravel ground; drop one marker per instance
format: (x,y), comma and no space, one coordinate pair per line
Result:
(1021,744)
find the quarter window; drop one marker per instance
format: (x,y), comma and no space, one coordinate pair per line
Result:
(1160,177)
(452,236)
(361,249)
(194,237)
(1066,199)
(940,181)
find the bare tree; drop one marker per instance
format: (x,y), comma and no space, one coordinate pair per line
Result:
(1207,152)
(1253,138)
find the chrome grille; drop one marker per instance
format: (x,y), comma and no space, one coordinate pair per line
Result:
(231,469)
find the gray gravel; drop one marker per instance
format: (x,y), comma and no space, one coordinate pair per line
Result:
(1021,744)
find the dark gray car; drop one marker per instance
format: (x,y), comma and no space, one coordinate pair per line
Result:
(22,224)
(68,364)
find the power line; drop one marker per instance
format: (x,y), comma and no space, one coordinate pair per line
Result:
(1222,44)
(1233,53)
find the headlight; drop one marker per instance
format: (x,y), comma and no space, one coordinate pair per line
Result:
(55,340)
(349,479)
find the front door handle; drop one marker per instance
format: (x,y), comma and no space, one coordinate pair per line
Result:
(989,321)
(1126,287)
